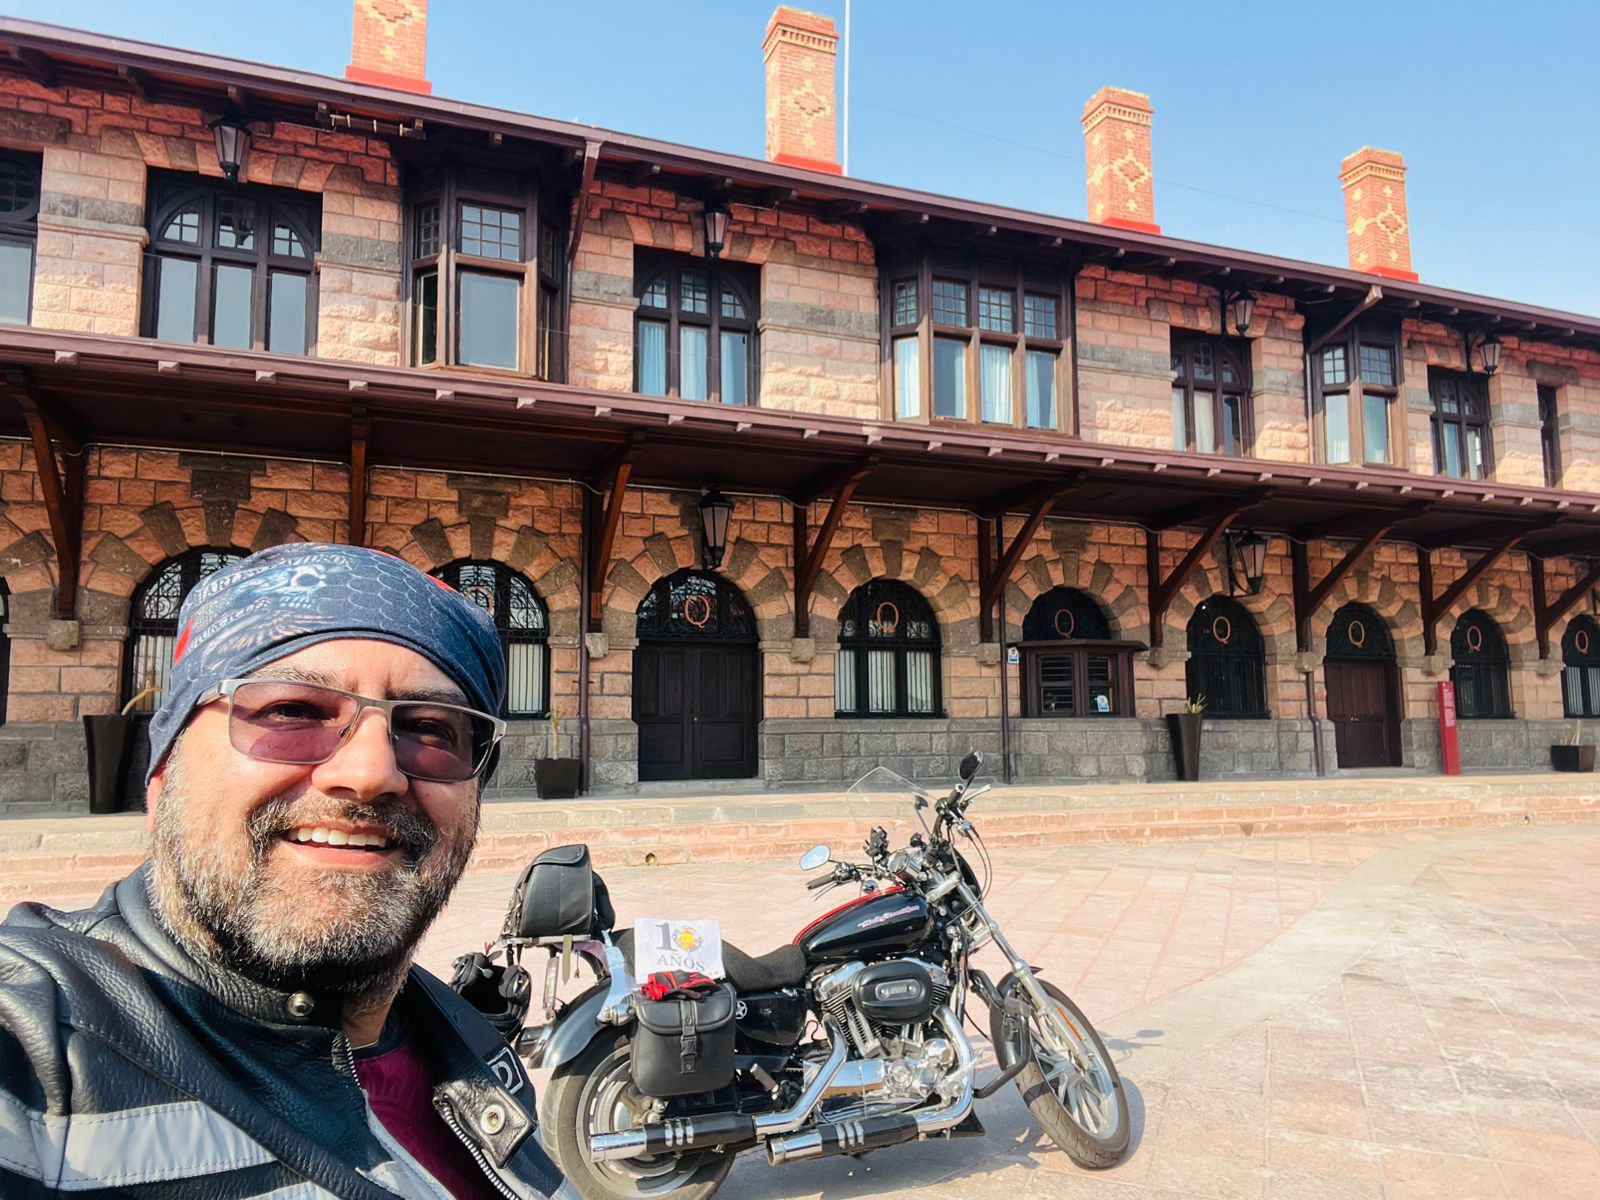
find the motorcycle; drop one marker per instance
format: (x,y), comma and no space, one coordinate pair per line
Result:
(850,1039)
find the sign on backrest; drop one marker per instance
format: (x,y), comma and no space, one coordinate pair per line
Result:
(663,944)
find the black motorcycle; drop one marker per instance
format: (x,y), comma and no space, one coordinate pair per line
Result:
(848,1040)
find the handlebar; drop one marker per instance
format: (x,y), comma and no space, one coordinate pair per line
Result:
(821,881)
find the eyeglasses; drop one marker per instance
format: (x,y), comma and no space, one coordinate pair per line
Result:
(281,721)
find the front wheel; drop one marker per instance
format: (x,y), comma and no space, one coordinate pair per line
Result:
(594,1093)
(1070,1085)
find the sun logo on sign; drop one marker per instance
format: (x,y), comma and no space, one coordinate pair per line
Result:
(686,939)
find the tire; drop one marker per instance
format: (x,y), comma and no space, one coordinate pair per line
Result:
(598,1080)
(1096,1135)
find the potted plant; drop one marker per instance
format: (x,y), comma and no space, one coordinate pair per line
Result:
(108,737)
(1185,728)
(556,778)
(1572,754)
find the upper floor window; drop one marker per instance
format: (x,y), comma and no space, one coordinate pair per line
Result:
(977,342)
(1549,435)
(888,659)
(1210,396)
(19,233)
(519,618)
(1355,387)
(232,266)
(1460,424)
(695,333)
(486,272)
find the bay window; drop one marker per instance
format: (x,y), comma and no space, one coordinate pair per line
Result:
(979,342)
(1355,387)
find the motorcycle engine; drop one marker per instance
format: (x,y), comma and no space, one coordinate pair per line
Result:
(887,1011)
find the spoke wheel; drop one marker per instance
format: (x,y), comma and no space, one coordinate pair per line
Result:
(1069,1084)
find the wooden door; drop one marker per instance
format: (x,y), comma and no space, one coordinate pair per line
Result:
(695,707)
(1361,705)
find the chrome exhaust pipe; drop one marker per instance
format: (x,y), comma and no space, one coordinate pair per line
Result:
(721,1129)
(873,1133)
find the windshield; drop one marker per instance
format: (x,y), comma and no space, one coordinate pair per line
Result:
(881,786)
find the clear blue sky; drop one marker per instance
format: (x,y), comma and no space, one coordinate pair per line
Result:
(1496,107)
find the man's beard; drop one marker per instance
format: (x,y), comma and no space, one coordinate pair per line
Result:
(351,933)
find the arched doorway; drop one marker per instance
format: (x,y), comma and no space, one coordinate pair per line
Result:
(1227,664)
(695,675)
(1363,689)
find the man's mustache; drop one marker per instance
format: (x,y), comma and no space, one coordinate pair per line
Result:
(413,834)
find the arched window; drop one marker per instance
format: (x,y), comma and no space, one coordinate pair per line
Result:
(519,618)
(1480,667)
(888,660)
(1210,395)
(1580,670)
(1358,632)
(153,623)
(696,332)
(691,605)
(1071,665)
(19,233)
(1226,663)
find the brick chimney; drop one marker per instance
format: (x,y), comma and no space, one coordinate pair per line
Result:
(1116,134)
(800,51)
(390,45)
(1375,213)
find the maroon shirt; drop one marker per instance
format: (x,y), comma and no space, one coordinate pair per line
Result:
(399,1082)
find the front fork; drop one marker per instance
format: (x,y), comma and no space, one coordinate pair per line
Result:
(985,929)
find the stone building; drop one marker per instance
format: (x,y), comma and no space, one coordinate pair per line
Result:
(971,476)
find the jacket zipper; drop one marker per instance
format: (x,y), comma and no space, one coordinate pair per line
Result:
(478,1156)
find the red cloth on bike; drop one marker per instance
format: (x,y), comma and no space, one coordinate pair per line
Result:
(678,985)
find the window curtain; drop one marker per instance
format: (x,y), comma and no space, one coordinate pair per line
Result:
(995,364)
(693,344)
(652,358)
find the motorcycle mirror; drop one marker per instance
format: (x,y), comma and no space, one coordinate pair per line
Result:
(818,855)
(970,765)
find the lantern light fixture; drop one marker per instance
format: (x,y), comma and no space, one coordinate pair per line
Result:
(715,217)
(1247,562)
(1489,346)
(1242,305)
(715,510)
(233,145)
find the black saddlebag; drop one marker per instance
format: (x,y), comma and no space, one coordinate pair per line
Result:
(559,895)
(684,1047)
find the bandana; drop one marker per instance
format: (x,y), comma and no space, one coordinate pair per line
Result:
(285,598)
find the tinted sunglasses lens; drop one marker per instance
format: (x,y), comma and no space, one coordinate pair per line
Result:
(439,742)
(278,721)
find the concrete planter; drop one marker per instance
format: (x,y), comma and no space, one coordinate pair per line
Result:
(556,778)
(109,740)
(1572,758)
(1185,729)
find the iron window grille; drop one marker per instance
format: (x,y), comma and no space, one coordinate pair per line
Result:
(1358,632)
(1461,444)
(979,342)
(691,605)
(153,622)
(1580,668)
(695,331)
(524,629)
(1550,435)
(1071,665)
(232,266)
(1227,662)
(1480,667)
(481,241)
(888,659)
(19,235)
(1210,396)
(1355,388)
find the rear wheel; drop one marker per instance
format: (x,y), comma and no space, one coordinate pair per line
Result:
(594,1093)
(1069,1084)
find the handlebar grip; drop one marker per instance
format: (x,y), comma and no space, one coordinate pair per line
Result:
(821,882)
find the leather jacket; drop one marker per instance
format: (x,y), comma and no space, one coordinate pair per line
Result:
(127,1063)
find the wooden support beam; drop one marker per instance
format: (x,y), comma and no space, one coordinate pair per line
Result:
(1434,607)
(35,65)
(1487,533)
(992,584)
(138,82)
(603,515)
(1546,615)
(63,488)
(842,209)
(358,475)
(1307,599)
(591,161)
(829,481)
(1163,590)
(1204,512)
(808,554)
(1024,498)
(642,173)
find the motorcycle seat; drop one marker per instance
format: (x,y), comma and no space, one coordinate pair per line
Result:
(780,968)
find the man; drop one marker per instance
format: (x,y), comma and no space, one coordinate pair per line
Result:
(240,1016)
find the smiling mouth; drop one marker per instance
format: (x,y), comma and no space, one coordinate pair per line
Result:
(343,839)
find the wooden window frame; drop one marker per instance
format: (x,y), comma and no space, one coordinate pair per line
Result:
(744,282)
(170,194)
(975,272)
(454,183)
(1184,345)
(1034,654)
(1549,401)
(21,228)
(902,647)
(1468,385)
(1357,389)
